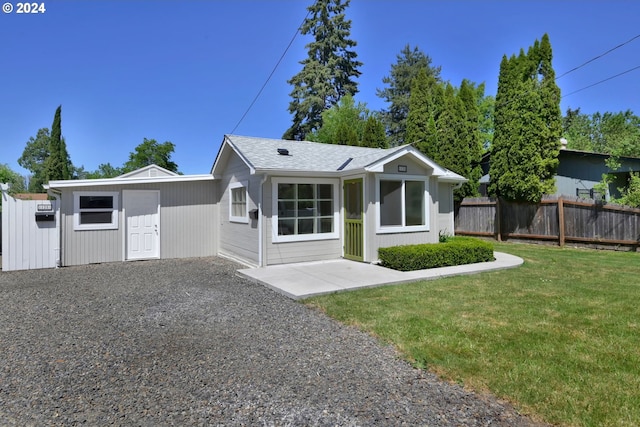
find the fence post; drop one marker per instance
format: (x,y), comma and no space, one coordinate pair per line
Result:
(498,222)
(561,221)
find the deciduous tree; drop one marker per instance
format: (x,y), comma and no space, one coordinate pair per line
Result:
(33,157)
(148,153)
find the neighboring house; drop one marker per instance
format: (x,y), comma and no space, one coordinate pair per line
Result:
(265,202)
(578,172)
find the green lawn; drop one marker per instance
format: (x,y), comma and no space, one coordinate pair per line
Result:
(559,336)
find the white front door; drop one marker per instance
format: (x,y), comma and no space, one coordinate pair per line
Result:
(142,219)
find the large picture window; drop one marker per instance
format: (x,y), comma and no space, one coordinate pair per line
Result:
(304,210)
(96,210)
(238,211)
(402,203)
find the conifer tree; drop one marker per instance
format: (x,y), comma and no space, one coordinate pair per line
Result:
(528,126)
(57,165)
(373,134)
(425,105)
(470,139)
(329,70)
(398,93)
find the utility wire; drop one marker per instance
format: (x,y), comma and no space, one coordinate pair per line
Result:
(272,73)
(602,81)
(582,65)
(597,57)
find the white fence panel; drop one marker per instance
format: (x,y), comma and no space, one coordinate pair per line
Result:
(30,234)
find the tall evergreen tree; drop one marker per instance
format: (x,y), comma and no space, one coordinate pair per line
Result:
(425,105)
(469,139)
(398,93)
(329,70)
(373,134)
(528,126)
(58,165)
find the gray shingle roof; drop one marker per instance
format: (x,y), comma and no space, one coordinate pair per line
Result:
(262,153)
(304,156)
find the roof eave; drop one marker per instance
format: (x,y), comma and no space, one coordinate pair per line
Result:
(126,181)
(301,173)
(226,142)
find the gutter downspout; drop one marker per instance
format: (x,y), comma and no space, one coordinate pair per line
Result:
(260,223)
(56,195)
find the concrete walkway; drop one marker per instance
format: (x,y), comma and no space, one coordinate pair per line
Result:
(306,279)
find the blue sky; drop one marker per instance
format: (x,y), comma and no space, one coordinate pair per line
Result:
(186,71)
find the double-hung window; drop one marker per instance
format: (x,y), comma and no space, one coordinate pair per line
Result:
(402,203)
(304,209)
(238,211)
(95,210)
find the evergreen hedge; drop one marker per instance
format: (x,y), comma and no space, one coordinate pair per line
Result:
(455,251)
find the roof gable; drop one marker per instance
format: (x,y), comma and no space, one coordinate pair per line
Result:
(150,171)
(299,157)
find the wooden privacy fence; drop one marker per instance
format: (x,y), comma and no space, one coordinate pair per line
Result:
(560,219)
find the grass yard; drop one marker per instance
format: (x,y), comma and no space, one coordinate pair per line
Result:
(559,336)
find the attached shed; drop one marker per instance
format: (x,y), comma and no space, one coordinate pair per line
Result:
(291,201)
(146,214)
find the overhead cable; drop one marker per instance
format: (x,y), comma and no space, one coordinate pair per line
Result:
(597,57)
(272,73)
(602,81)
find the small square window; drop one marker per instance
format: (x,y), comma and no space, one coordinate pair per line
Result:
(96,210)
(238,209)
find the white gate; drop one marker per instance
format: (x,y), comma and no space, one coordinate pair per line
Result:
(30,233)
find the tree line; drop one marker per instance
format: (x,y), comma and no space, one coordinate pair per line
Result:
(454,125)
(47,158)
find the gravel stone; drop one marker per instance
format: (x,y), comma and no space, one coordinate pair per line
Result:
(189,343)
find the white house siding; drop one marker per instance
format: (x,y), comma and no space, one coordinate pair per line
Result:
(188,218)
(290,252)
(382,240)
(238,240)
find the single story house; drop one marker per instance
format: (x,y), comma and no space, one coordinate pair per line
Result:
(578,172)
(265,202)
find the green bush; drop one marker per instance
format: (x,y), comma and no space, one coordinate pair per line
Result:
(455,251)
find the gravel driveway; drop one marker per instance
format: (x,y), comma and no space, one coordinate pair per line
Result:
(186,342)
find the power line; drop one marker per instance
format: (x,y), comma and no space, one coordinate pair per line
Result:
(602,81)
(582,65)
(598,57)
(272,72)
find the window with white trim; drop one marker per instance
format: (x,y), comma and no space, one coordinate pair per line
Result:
(95,210)
(402,203)
(238,211)
(304,209)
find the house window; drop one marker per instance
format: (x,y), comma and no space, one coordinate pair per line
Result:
(238,211)
(402,203)
(304,210)
(96,210)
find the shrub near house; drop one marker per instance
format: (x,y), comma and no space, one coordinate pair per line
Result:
(454,251)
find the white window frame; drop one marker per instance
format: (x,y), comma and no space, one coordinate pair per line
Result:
(276,238)
(113,225)
(402,228)
(244,219)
